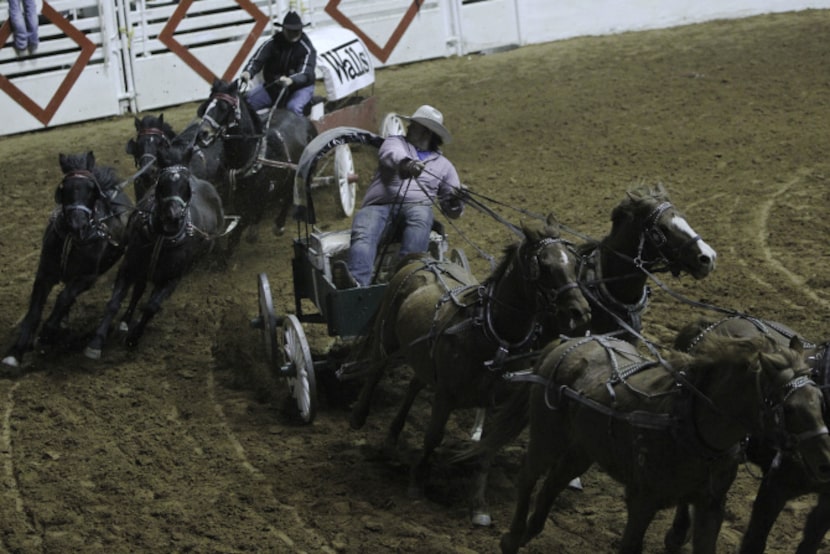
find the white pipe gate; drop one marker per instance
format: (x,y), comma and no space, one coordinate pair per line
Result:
(100,58)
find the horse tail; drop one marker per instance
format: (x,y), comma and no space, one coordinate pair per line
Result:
(505,423)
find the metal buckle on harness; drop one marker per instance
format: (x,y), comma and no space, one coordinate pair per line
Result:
(498,360)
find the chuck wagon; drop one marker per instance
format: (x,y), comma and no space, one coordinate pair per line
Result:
(346,312)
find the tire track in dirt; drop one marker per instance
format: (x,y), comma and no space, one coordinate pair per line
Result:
(11,490)
(762,225)
(290,512)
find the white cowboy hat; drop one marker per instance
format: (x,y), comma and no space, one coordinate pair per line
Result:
(432,119)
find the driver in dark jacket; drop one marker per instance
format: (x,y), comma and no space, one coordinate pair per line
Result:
(287,61)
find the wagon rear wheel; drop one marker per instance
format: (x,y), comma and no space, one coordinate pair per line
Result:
(392,125)
(344,176)
(299,367)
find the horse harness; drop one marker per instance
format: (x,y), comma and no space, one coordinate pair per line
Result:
(480,298)
(259,158)
(679,422)
(98,228)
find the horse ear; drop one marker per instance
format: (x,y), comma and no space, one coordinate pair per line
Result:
(137,123)
(130,147)
(90,160)
(62,160)
(796,344)
(161,119)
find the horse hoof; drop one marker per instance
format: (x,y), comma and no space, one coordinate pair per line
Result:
(277,230)
(575,484)
(92,353)
(482,519)
(11,361)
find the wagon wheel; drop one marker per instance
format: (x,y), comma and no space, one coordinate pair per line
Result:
(267,321)
(344,176)
(458,257)
(392,125)
(299,367)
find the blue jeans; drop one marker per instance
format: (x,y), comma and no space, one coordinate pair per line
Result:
(258,98)
(372,224)
(24,23)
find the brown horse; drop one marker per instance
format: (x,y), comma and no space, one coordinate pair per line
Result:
(648,235)
(786,475)
(668,429)
(459,335)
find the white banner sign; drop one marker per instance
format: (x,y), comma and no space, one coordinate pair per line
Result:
(343,60)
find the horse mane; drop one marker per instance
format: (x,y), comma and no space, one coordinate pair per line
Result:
(534,230)
(176,154)
(106,176)
(720,350)
(639,198)
(157,122)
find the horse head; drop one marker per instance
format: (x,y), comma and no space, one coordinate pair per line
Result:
(78,194)
(793,409)
(152,135)
(660,234)
(548,264)
(219,112)
(173,192)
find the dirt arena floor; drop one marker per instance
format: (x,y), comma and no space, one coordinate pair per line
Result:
(184,445)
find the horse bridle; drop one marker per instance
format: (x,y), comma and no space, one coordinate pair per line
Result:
(220,128)
(533,273)
(186,225)
(655,237)
(783,440)
(97,228)
(151,132)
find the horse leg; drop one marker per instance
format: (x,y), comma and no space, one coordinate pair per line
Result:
(559,475)
(818,523)
(395,428)
(63,303)
(641,512)
(138,291)
(707,523)
(433,436)
(535,462)
(361,408)
(159,295)
(679,532)
(119,291)
(40,292)
(769,501)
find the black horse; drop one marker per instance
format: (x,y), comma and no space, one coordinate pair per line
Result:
(173,228)
(85,236)
(153,135)
(261,157)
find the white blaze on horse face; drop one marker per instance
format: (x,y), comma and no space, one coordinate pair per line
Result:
(563,259)
(683,226)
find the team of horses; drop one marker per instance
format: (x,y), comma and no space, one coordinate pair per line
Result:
(550,342)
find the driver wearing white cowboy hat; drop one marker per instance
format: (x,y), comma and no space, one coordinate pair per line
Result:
(411,176)
(287,61)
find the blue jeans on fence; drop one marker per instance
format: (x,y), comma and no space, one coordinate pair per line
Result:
(23,19)
(371,225)
(258,98)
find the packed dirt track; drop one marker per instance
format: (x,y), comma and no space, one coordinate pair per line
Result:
(183,443)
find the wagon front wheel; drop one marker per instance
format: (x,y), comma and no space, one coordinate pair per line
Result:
(267,321)
(298,368)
